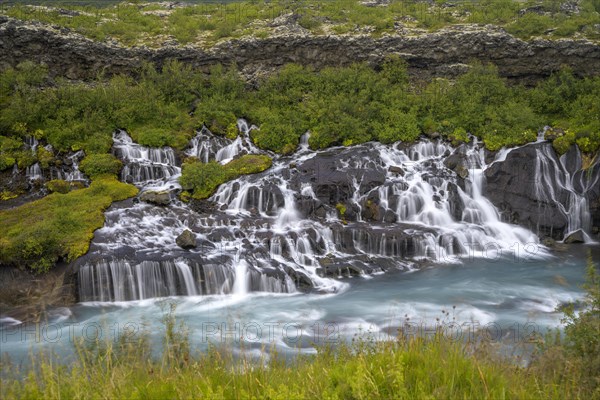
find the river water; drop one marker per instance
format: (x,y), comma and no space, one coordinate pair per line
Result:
(369,240)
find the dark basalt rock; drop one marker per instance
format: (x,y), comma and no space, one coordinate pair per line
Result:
(511,187)
(334,185)
(575,237)
(69,54)
(186,240)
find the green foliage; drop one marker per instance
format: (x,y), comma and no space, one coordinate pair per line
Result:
(562,143)
(340,106)
(58,186)
(76,116)
(6,161)
(39,233)
(100,164)
(202,179)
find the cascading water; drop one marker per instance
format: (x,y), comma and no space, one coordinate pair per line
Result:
(146,166)
(300,225)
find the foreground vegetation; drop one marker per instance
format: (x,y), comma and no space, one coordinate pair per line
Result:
(563,367)
(58,226)
(137,23)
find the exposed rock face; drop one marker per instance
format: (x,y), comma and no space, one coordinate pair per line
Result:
(442,53)
(186,240)
(536,189)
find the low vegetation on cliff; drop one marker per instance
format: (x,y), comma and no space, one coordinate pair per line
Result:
(560,367)
(156,24)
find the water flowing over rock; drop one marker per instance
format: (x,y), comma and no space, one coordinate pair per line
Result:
(547,194)
(316,217)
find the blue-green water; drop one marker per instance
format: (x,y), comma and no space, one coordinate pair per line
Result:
(508,299)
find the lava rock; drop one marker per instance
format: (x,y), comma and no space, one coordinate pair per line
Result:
(396,170)
(512,186)
(158,198)
(186,240)
(575,237)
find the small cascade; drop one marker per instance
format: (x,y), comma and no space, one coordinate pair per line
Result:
(553,183)
(75,175)
(241,283)
(145,166)
(205,145)
(34,172)
(31,143)
(121,280)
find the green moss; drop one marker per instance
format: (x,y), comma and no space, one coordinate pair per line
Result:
(7,195)
(100,164)
(37,234)
(202,179)
(58,186)
(44,157)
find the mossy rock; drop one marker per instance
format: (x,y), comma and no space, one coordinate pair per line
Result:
(202,179)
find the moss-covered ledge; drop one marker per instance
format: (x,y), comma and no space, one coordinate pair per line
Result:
(58,226)
(200,180)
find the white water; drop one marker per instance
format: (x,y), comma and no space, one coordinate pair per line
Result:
(258,236)
(262,246)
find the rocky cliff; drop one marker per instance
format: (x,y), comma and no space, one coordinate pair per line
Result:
(443,53)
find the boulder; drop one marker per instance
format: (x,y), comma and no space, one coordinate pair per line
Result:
(158,198)
(186,240)
(396,170)
(575,237)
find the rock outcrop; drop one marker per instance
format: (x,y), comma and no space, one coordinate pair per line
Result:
(442,53)
(536,189)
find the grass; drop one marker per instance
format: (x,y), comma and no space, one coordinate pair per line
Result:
(206,23)
(202,179)
(436,366)
(58,226)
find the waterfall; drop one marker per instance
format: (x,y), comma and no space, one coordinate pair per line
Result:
(34,172)
(241,283)
(146,166)
(311,218)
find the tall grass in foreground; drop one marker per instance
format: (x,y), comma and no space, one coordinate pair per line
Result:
(564,368)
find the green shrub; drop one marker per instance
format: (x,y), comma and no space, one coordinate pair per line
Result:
(562,143)
(6,161)
(202,179)
(58,186)
(95,165)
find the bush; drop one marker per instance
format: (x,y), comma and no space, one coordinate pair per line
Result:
(6,162)
(58,186)
(202,179)
(95,165)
